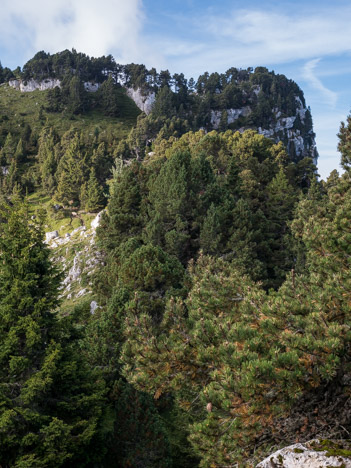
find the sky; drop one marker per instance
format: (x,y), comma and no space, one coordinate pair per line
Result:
(307,40)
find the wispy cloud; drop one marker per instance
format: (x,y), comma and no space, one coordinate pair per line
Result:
(257,37)
(97,28)
(310,76)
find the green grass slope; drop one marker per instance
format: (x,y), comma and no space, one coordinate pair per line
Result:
(18,109)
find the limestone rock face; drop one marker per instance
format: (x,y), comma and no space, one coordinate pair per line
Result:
(49,83)
(144,103)
(32,85)
(93,306)
(281,129)
(51,235)
(96,221)
(91,87)
(233,115)
(313,454)
(75,271)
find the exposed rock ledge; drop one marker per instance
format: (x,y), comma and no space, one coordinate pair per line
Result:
(83,262)
(49,83)
(232,115)
(312,454)
(144,103)
(32,85)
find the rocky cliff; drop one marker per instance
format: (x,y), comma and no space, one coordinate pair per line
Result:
(281,129)
(237,99)
(49,83)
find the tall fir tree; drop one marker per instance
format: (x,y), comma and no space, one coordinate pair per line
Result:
(92,195)
(8,150)
(71,173)
(50,400)
(109,97)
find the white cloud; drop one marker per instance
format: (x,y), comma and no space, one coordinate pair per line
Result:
(97,28)
(309,75)
(256,37)
(283,37)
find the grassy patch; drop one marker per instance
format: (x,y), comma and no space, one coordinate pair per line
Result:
(18,109)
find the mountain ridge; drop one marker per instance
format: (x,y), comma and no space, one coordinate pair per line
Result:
(238,99)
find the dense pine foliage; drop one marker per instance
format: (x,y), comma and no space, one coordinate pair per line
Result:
(223,319)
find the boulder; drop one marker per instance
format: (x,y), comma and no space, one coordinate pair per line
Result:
(81,293)
(93,307)
(96,221)
(313,454)
(91,87)
(51,235)
(78,229)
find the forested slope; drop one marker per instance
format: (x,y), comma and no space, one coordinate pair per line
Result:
(220,268)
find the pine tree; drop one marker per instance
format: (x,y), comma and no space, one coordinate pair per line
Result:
(109,97)
(123,219)
(70,173)
(50,400)
(164,105)
(54,100)
(8,150)
(281,200)
(77,102)
(202,353)
(12,178)
(47,159)
(102,163)
(344,145)
(211,232)
(19,153)
(94,197)
(74,94)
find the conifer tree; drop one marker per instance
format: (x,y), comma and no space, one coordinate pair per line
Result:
(77,100)
(202,352)
(123,219)
(19,153)
(94,196)
(101,161)
(54,100)
(109,97)
(344,145)
(164,106)
(70,173)
(211,232)
(50,400)
(47,159)
(8,150)
(281,200)
(12,178)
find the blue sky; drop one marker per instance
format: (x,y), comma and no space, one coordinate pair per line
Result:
(309,41)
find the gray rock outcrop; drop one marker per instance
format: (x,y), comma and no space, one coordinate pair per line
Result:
(232,115)
(144,102)
(93,307)
(50,83)
(51,235)
(96,221)
(282,128)
(33,85)
(312,454)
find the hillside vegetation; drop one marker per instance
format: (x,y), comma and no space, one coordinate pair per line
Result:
(207,318)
